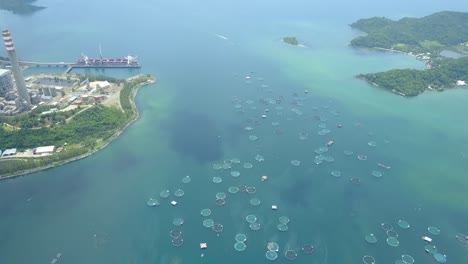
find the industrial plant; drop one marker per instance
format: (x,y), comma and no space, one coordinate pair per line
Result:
(18,94)
(19,99)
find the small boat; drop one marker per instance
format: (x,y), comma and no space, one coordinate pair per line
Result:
(427,239)
(329,143)
(383,166)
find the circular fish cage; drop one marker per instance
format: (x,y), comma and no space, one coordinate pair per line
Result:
(368,259)
(217,228)
(186,179)
(241,238)
(233,189)
(208,223)
(371,239)
(295,163)
(272,246)
(175,233)
(177,242)
(205,212)
(239,246)
(251,218)
(308,249)
(403,224)
(283,219)
(433,230)
(290,254)
(393,242)
(271,255)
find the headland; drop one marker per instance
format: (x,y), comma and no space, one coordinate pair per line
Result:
(423,38)
(91,113)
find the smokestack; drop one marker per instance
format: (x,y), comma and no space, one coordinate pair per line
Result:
(18,75)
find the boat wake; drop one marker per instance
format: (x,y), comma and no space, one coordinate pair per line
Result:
(221,37)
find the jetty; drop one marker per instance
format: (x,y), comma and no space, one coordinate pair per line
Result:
(69,66)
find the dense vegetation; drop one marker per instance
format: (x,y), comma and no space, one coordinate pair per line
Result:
(21,7)
(34,119)
(413,82)
(82,134)
(126,95)
(428,34)
(291,40)
(96,122)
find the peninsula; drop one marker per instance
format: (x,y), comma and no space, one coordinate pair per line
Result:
(72,129)
(21,7)
(424,38)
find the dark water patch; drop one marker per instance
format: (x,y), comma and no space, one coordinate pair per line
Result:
(298,194)
(233,133)
(195,136)
(126,162)
(354,198)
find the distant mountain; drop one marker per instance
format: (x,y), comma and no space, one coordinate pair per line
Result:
(20,7)
(426,34)
(423,38)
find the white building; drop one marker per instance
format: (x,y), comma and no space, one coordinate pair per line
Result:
(461,83)
(44,150)
(9,152)
(102,85)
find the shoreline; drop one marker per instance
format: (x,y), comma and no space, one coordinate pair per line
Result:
(110,140)
(378,86)
(427,61)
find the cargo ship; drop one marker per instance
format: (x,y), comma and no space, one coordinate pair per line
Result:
(127,62)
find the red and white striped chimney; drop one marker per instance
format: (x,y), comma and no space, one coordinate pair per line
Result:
(10,47)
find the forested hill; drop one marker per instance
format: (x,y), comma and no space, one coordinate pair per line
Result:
(413,82)
(22,7)
(426,34)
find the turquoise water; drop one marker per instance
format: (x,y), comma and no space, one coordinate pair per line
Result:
(94,210)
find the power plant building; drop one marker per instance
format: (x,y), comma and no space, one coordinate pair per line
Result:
(24,99)
(6,82)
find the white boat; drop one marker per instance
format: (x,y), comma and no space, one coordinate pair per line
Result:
(427,239)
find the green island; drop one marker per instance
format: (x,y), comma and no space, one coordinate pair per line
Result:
(290,40)
(21,7)
(424,38)
(77,133)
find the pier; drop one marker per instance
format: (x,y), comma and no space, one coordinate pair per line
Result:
(72,65)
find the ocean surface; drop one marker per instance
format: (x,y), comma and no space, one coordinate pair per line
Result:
(221,66)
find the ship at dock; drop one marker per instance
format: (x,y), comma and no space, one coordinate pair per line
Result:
(101,62)
(126,62)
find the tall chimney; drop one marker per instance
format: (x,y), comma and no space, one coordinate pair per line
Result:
(15,68)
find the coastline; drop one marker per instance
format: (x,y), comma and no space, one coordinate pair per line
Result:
(378,86)
(112,138)
(427,61)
